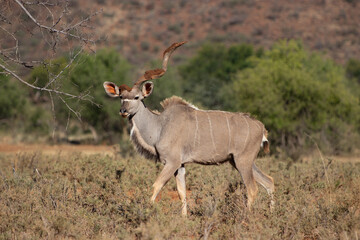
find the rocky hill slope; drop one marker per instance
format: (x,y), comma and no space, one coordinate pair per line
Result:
(138,27)
(141,29)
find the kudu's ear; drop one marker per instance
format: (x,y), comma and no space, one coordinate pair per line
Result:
(147,89)
(111,89)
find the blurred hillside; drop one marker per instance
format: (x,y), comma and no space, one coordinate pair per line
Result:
(139,28)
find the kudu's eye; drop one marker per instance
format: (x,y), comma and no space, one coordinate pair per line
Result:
(120,97)
(136,98)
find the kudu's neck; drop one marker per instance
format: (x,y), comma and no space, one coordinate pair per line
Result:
(147,124)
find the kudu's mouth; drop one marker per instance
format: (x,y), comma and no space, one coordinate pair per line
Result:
(125,114)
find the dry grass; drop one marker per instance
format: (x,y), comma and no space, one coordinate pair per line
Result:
(101,196)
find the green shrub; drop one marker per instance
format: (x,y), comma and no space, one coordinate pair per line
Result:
(353,69)
(297,94)
(176,28)
(12,98)
(16,112)
(40,75)
(210,69)
(87,75)
(168,85)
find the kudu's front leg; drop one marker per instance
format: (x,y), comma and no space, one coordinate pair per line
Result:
(181,188)
(167,172)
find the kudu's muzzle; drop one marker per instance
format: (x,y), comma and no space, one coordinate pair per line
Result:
(124,113)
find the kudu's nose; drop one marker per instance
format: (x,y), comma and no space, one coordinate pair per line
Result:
(124,113)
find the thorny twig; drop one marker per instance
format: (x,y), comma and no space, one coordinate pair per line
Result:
(85,97)
(66,67)
(53,29)
(4,180)
(62,13)
(53,114)
(77,114)
(84,20)
(325,167)
(207,230)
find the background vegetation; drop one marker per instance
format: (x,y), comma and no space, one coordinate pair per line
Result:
(298,95)
(301,96)
(17,113)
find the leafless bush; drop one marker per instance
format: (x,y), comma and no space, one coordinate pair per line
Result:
(35,32)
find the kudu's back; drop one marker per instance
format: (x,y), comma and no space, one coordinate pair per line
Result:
(208,137)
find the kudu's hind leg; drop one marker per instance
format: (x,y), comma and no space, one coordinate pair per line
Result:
(181,188)
(266,181)
(244,166)
(167,172)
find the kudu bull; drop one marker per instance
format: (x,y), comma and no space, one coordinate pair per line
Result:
(183,134)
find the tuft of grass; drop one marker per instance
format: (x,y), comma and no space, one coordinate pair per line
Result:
(103,196)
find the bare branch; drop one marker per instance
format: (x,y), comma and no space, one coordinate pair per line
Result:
(4,19)
(84,97)
(62,13)
(52,15)
(50,29)
(53,114)
(49,26)
(38,3)
(29,64)
(84,20)
(15,39)
(77,114)
(62,71)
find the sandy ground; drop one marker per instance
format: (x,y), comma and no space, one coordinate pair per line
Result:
(55,149)
(6,148)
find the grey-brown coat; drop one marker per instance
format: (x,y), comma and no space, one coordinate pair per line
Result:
(183,134)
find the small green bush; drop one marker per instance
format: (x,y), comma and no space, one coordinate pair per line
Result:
(16,112)
(12,98)
(210,69)
(168,85)
(87,75)
(176,28)
(297,94)
(353,69)
(40,75)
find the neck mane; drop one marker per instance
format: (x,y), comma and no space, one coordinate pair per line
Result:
(175,100)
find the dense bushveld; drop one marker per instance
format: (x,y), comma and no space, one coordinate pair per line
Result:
(107,196)
(298,95)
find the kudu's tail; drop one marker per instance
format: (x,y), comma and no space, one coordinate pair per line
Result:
(265,142)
